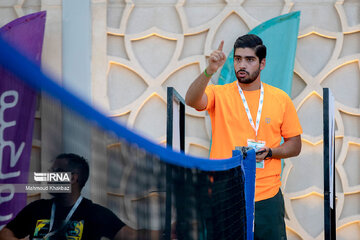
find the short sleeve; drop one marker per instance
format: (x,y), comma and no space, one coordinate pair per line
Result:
(291,125)
(107,222)
(210,93)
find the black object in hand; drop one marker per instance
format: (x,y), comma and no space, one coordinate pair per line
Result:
(260,152)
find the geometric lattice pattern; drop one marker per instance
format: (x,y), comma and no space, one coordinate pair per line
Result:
(140,47)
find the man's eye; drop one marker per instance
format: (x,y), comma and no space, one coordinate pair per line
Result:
(57,170)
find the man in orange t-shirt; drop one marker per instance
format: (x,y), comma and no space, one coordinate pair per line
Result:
(248,112)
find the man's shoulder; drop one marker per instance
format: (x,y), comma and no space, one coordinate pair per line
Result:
(88,204)
(273,88)
(275,91)
(37,206)
(40,203)
(100,212)
(94,207)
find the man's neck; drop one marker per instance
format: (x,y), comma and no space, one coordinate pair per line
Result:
(255,85)
(67,200)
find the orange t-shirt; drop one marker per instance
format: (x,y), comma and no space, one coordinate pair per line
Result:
(231,127)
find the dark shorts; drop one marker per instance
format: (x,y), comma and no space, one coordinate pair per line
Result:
(269,218)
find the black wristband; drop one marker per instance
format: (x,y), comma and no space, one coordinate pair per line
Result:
(269,155)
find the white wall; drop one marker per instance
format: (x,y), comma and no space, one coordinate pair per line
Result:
(140,47)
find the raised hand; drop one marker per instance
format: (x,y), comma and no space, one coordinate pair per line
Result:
(216,60)
(195,96)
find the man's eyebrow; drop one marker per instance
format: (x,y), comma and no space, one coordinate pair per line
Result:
(244,56)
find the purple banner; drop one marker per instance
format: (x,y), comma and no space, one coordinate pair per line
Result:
(17,113)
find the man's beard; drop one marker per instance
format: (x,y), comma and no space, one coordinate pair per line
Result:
(249,79)
(58,195)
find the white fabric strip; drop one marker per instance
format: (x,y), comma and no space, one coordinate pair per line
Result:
(258,116)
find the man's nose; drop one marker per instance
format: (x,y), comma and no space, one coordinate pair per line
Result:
(241,64)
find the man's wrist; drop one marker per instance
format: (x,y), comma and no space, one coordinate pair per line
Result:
(269,154)
(207,73)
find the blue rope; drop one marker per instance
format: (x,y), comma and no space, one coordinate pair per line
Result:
(31,74)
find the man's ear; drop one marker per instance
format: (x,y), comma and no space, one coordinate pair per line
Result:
(74,178)
(262,63)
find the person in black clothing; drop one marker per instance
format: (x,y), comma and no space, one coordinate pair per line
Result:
(69,215)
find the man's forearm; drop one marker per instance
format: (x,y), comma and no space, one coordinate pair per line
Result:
(195,94)
(290,148)
(7,234)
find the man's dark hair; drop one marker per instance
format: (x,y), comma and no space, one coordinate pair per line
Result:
(78,165)
(251,41)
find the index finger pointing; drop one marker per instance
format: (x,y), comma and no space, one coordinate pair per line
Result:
(221,45)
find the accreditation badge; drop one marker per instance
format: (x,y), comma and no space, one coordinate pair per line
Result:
(257,145)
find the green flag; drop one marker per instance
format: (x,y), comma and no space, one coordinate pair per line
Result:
(280,38)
